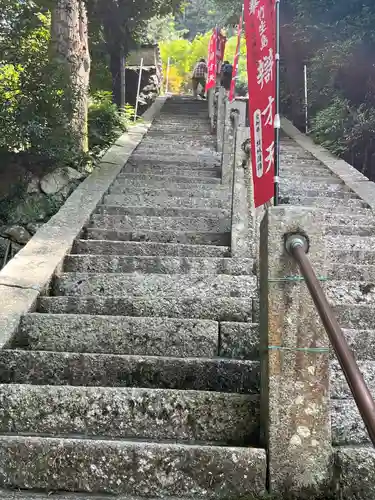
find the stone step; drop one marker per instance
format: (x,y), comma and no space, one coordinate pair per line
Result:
(350,292)
(131,468)
(298,192)
(354,471)
(166,237)
(152,372)
(290,173)
(329,183)
(364,218)
(118,335)
(155,179)
(361,343)
(215,308)
(351,243)
(239,340)
(163,212)
(347,424)
(214,192)
(358,316)
(329,203)
(161,200)
(348,256)
(354,230)
(129,223)
(162,265)
(198,159)
(351,272)
(172,169)
(134,248)
(129,413)
(139,285)
(339,387)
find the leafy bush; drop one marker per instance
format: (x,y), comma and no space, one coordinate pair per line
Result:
(106,123)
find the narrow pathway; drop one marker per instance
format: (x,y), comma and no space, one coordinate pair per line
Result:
(139,375)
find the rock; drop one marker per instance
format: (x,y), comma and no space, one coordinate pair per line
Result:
(33,227)
(55,181)
(33,186)
(18,234)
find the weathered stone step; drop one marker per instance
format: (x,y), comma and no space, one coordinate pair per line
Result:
(329,183)
(361,343)
(197,159)
(133,248)
(239,340)
(131,468)
(348,256)
(163,212)
(167,237)
(138,285)
(339,386)
(129,413)
(159,168)
(296,193)
(354,467)
(215,308)
(162,265)
(364,218)
(350,292)
(153,372)
(329,203)
(118,335)
(347,424)
(145,179)
(129,223)
(161,200)
(355,316)
(351,243)
(351,272)
(214,192)
(354,230)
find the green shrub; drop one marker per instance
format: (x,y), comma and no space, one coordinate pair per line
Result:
(106,122)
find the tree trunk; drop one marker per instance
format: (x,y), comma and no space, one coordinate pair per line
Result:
(70,48)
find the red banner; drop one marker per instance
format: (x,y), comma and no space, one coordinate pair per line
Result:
(212,49)
(260,29)
(232,91)
(221,42)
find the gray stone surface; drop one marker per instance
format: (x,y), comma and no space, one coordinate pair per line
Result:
(358,316)
(171,169)
(162,180)
(239,340)
(112,284)
(214,192)
(161,200)
(215,308)
(129,223)
(153,264)
(119,467)
(350,292)
(132,248)
(156,372)
(339,386)
(162,212)
(183,237)
(128,413)
(329,204)
(295,382)
(118,335)
(354,472)
(347,424)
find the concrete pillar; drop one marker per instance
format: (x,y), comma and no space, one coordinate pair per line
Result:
(222,110)
(295,409)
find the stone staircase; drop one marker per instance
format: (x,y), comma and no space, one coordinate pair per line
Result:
(349,228)
(138,376)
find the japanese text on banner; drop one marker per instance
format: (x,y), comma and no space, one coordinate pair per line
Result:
(235,64)
(212,49)
(260,42)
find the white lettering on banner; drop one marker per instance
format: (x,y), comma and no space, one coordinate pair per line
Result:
(265,69)
(261,13)
(270,158)
(268,111)
(263,42)
(253,6)
(257,125)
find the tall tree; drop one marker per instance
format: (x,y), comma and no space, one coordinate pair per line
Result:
(70,48)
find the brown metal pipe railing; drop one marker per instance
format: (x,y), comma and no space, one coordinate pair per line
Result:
(297,246)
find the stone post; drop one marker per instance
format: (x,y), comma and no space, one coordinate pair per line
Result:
(295,402)
(222,109)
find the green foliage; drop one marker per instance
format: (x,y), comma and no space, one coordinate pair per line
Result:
(106,123)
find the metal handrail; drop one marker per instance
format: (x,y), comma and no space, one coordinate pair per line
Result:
(297,246)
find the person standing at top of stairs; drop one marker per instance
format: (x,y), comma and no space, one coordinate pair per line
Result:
(199,78)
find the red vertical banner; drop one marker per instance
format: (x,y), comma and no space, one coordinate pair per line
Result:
(220,50)
(212,50)
(260,29)
(232,90)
